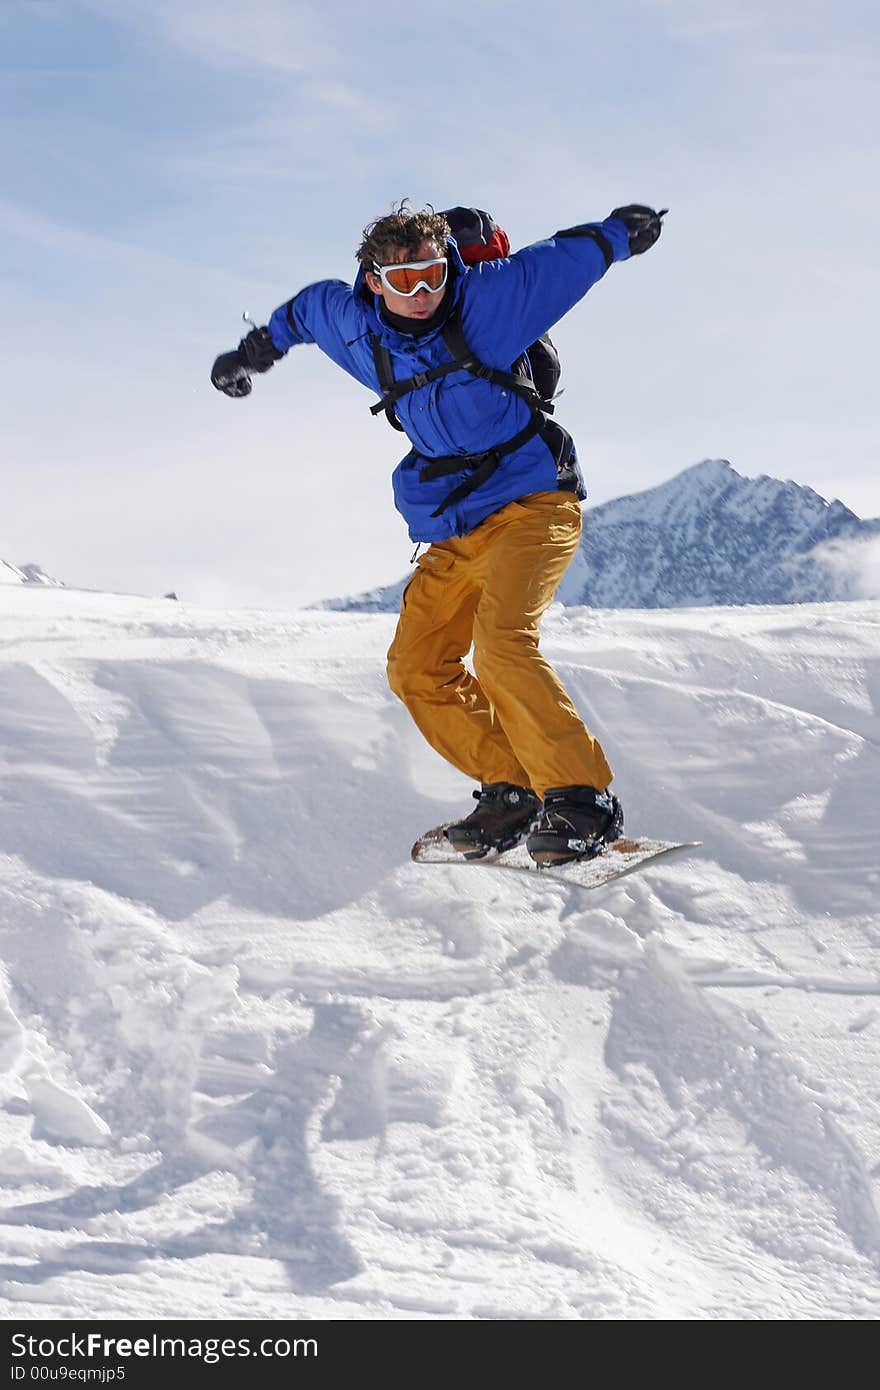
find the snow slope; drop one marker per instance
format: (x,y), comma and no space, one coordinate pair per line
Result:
(258,1064)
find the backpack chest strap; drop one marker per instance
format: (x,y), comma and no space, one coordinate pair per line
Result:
(393,390)
(463,361)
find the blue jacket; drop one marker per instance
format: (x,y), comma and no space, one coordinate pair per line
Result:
(503,306)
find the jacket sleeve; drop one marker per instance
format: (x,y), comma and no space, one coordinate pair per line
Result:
(326,314)
(510,303)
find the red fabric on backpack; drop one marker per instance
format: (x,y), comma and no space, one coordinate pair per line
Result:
(497,245)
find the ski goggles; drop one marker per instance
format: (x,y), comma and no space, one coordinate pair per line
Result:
(412,276)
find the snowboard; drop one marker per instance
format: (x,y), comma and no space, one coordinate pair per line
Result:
(621,857)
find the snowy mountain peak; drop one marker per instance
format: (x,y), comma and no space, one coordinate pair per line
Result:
(709,536)
(27,574)
(715,482)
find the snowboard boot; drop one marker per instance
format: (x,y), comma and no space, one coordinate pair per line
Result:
(502,818)
(576,823)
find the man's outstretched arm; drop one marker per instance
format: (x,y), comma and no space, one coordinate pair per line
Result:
(515,300)
(324,313)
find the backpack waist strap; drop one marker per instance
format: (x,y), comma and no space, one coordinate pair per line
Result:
(481,466)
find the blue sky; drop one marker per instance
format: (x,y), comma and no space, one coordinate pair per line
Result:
(167,163)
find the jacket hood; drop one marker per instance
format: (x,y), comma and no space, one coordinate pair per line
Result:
(374,302)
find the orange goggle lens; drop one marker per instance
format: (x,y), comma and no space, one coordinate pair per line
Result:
(415,275)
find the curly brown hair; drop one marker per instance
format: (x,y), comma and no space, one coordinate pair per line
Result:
(402,229)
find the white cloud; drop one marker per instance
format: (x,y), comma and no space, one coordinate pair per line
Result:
(854,565)
(795,22)
(65,240)
(284,37)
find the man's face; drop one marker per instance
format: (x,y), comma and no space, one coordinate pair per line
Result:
(420,305)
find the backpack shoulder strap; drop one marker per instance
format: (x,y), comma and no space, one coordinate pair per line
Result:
(456,342)
(518,379)
(385,373)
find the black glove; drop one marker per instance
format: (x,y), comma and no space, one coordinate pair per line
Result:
(258,350)
(230,375)
(644,225)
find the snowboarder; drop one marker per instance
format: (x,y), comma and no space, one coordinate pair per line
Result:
(492,485)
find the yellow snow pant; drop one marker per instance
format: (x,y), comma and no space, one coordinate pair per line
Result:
(513,722)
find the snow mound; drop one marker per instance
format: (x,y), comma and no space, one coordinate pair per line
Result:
(257,1063)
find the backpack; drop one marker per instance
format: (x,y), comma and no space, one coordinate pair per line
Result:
(479,238)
